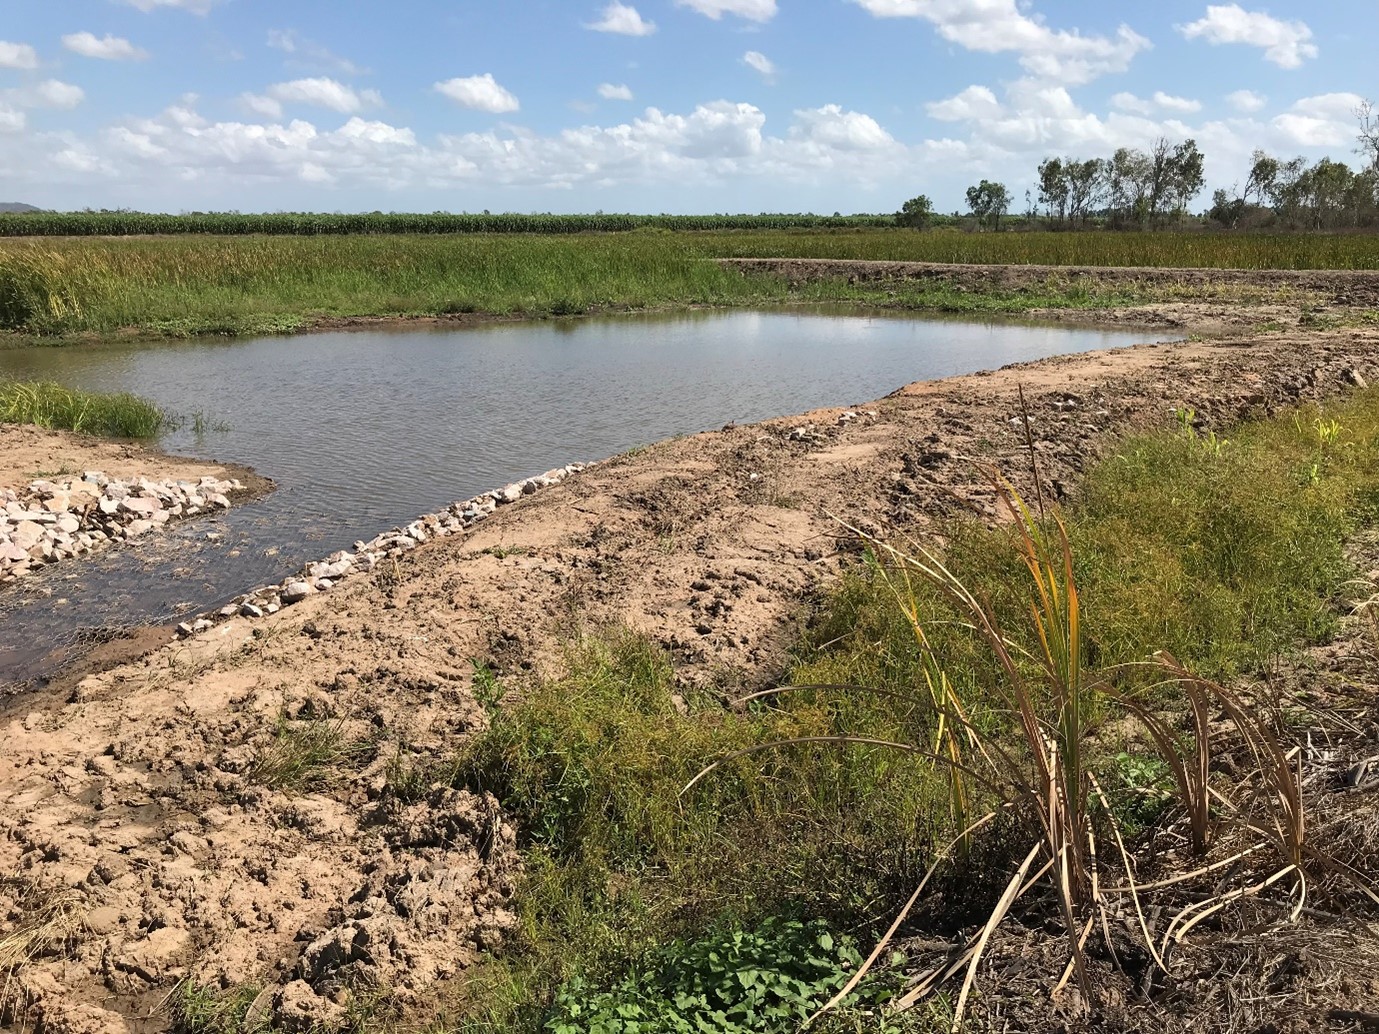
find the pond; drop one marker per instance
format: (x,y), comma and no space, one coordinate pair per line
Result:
(365,429)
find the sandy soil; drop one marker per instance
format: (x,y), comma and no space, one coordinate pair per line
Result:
(28,452)
(137,813)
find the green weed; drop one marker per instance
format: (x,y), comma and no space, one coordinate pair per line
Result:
(755,981)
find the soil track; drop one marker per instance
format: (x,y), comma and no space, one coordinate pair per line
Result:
(138,810)
(1345,287)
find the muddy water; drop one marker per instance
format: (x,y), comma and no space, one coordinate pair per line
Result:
(367,429)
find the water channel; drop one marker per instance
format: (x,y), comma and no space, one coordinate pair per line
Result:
(363,430)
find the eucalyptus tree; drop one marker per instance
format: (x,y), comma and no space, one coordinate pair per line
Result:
(989,201)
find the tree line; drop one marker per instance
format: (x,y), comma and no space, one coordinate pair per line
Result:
(1153,189)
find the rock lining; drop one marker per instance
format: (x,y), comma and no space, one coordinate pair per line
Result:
(51,521)
(324,575)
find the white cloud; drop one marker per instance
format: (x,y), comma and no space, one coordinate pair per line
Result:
(1284,43)
(1326,120)
(307,53)
(759,62)
(615,92)
(194,6)
(1000,26)
(12,121)
(51,93)
(480,93)
(752,10)
(18,55)
(715,143)
(1171,103)
(105,48)
(975,102)
(623,20)
(841,130)
(1160,100)
(322,93)
(259,104)
(1246,100)
(1129,102)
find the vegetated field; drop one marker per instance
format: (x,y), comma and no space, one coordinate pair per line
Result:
(246,284)
(231,284)
(125,224)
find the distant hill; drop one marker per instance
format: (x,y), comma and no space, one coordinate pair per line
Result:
(15,206)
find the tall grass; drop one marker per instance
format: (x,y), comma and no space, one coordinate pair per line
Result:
(189,285)
(233,284)
(58,408)
(773,235)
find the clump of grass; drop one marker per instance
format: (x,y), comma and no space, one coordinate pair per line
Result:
(1041,770)
(304,752)
(58,408)
(198,1009)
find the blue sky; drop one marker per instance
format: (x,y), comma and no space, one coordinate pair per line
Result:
(647,105)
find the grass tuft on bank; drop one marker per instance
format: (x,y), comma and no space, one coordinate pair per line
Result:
(1227,552)
(55,407)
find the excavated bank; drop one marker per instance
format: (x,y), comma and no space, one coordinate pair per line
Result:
(147,816)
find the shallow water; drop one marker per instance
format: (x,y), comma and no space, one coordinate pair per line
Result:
(363,430)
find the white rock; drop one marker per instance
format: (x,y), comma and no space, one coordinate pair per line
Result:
(296,591)
(142,505)
(27,535)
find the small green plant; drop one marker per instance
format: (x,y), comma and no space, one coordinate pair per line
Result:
(488,691)
(1138,786)
(1328,431)
(756,981)
(503,552)
(1187,421)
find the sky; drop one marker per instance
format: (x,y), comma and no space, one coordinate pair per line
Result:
(648,105)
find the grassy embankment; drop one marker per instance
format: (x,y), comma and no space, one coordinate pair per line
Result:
(72,287)
(644,904)
(67,409)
